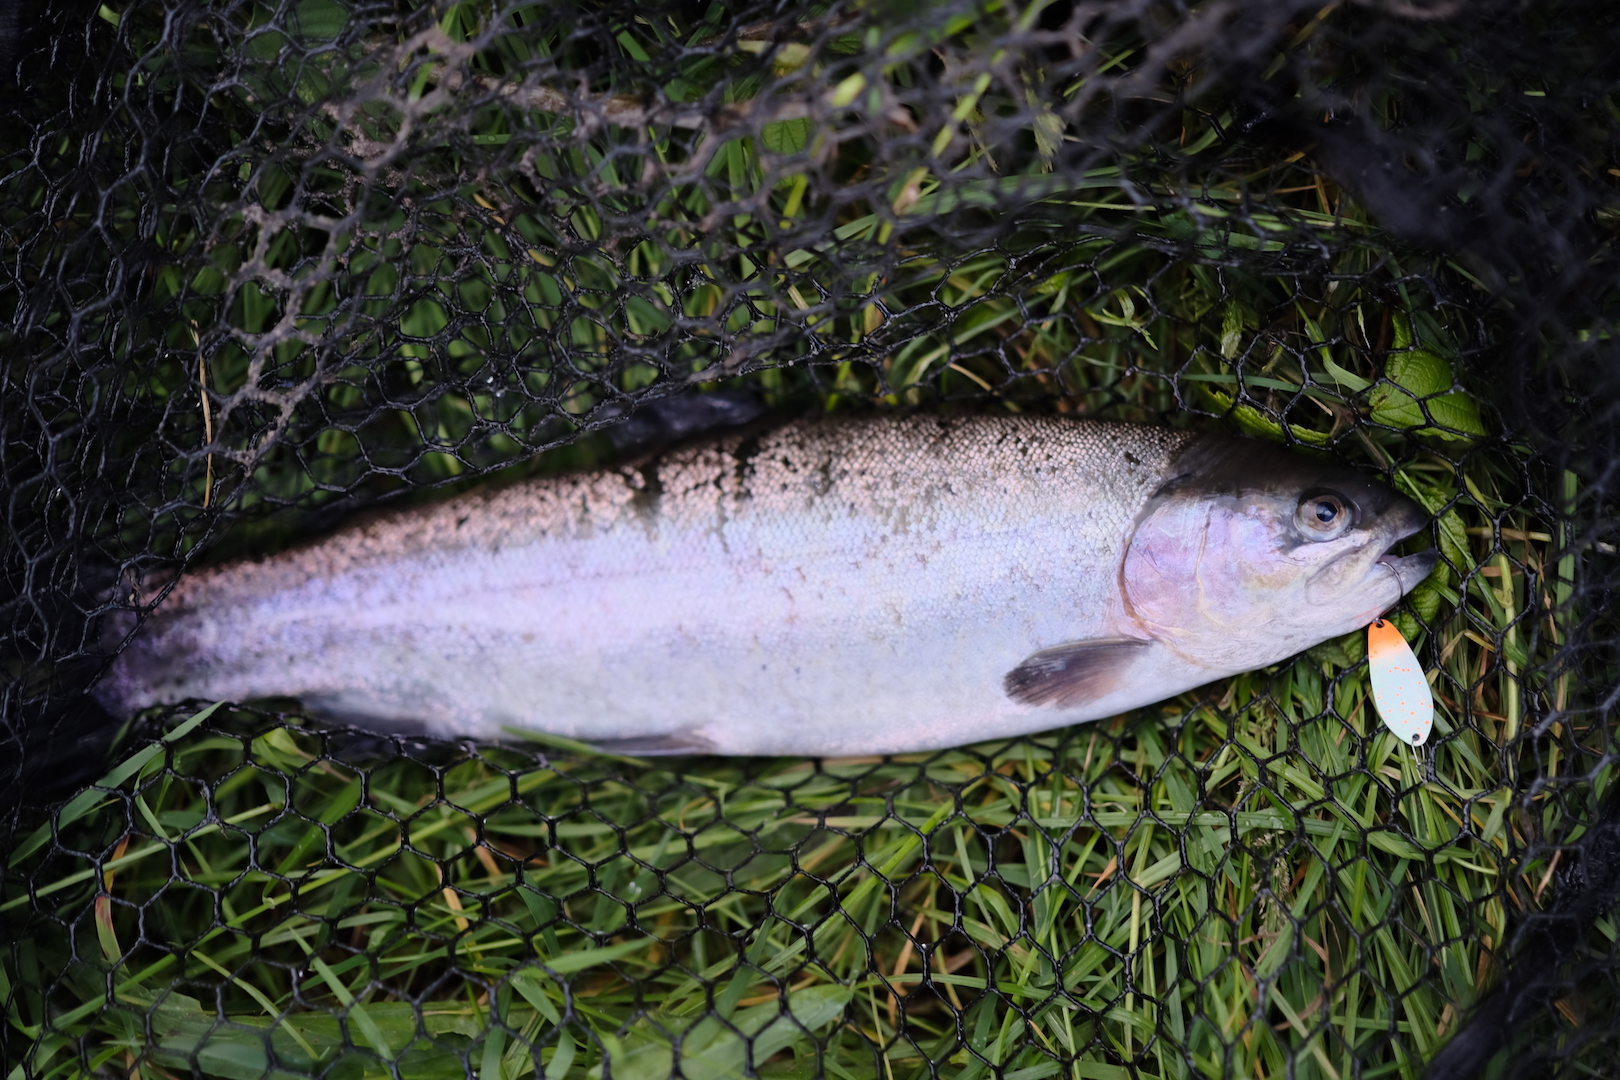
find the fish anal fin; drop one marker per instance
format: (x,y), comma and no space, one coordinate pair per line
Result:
(670,745)
(1070,675)
(682,742)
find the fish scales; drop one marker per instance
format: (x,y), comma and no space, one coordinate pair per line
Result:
(846,574)
(835,586)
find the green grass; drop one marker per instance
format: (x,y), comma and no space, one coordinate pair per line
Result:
(1257,881)
(1238,884)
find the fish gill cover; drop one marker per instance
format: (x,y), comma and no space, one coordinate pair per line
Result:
(265,262)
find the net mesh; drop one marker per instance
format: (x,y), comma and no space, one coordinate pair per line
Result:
(269,261)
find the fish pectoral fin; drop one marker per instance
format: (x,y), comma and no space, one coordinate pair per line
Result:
(1069,675)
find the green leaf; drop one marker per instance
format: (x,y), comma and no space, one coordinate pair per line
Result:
(1453,535)
(1349,380)
(633,47)
(847,90)
(357,1011)
(570,962)
(1252,421)
(1232,331)
(1416,379)
(787,136)
(1425,600)
(528,982)
(710,1049)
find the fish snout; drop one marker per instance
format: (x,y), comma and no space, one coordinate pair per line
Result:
(1404,518)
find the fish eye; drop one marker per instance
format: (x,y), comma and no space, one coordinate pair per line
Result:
(1324,515)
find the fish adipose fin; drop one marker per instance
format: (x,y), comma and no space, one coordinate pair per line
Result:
(1068,676)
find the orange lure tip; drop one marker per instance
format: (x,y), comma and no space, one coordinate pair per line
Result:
(1400,692)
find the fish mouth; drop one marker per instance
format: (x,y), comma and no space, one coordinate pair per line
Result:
(1410,569)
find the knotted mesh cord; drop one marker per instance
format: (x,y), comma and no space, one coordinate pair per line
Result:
(264,261)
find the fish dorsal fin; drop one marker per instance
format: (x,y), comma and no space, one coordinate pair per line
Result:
(1070,675)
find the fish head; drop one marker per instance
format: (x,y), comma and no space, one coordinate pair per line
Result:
(1250,554)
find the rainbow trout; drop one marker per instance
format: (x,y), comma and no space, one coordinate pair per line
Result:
(830,587)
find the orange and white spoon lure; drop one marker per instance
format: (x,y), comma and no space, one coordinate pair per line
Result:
(1400,691)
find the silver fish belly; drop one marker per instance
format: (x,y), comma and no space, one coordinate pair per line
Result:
(830,587)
